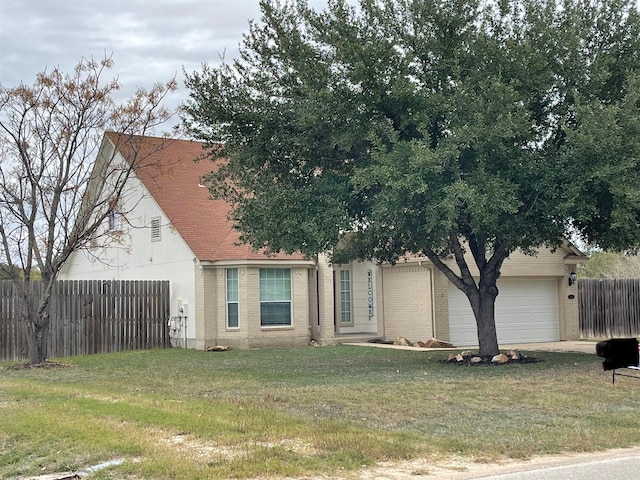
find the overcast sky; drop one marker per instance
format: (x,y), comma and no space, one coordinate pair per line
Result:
(151,41)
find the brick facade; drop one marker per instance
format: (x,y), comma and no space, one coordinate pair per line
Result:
(250,333)
(410,299)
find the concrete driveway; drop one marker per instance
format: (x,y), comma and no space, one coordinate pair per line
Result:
(579,346)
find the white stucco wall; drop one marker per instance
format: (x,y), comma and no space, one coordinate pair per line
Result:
(133,255)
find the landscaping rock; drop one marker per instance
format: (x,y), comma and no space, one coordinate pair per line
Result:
(500,358)
(403,342)
(431,343)
(218,348)
(468,359)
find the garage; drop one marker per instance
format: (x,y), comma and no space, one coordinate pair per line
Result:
(526,312)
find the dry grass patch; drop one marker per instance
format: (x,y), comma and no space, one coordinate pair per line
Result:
(193,447)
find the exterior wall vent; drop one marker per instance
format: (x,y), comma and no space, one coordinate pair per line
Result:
(155,229)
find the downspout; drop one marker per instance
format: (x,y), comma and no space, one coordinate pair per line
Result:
(380,296)
(317,273)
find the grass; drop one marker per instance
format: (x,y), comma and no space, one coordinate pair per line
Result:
(185,414)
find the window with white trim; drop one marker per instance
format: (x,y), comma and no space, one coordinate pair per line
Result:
(114,216)
(231,276)
(275,297)
(344,287)
(155,229)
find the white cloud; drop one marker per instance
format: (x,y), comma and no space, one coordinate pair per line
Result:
(150,41)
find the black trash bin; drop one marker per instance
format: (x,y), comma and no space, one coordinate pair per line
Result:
(618,353)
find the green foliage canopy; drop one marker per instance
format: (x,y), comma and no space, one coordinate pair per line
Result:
(507,123)
(429,127)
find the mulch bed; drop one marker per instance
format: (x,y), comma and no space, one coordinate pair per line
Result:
(486,361)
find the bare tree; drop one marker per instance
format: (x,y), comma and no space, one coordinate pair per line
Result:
(54,193)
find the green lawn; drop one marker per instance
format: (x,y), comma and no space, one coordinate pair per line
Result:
(185,414)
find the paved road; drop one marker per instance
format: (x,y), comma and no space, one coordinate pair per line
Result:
(617,464)
(612,469)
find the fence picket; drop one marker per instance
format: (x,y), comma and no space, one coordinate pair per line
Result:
(609,307)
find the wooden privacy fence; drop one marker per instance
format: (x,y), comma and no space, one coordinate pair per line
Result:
(90,316)
(609,307)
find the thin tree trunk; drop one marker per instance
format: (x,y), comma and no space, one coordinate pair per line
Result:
(35,317)
(37,341)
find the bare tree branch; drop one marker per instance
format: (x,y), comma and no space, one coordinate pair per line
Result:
(54,193)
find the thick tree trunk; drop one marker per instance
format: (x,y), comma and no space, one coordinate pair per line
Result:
(484,312)
(482,295)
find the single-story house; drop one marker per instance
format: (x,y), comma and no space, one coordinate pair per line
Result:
(224,293)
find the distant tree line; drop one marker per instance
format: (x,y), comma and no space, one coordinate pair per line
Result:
(609,264)
(11,272)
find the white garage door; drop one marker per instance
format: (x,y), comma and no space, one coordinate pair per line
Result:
(526,312)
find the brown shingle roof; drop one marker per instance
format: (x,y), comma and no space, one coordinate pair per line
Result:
(172,177)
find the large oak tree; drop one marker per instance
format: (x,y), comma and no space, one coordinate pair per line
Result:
(430,127)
